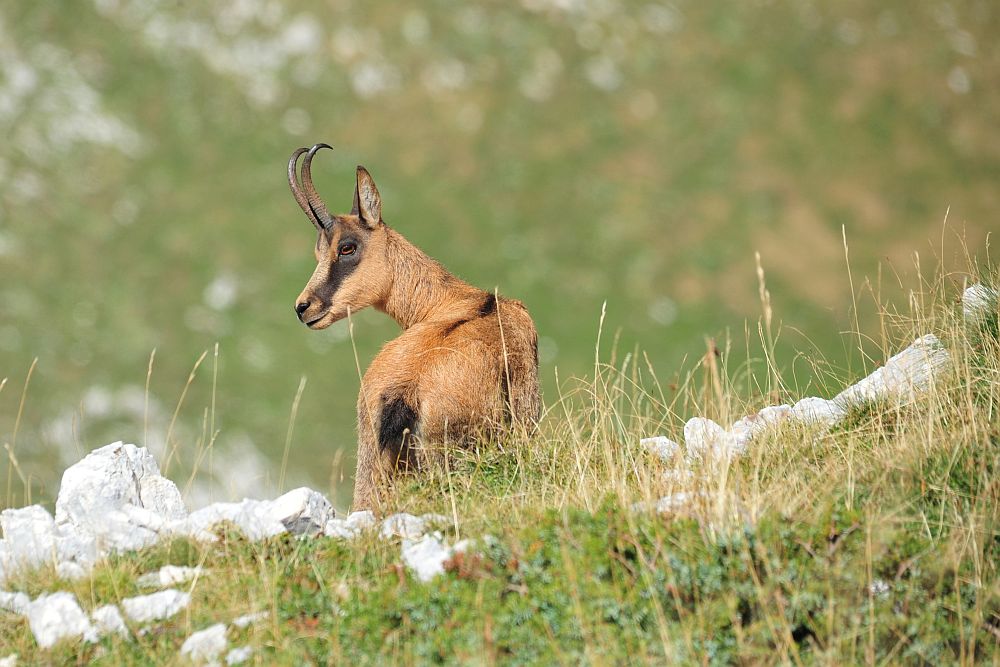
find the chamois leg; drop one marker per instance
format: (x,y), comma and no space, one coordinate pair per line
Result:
(368,475)
(385,445)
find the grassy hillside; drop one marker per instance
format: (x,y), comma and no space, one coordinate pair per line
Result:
(876,542)
(569,153)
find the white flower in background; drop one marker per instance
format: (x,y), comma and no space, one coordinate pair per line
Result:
(449,74)
(959,81)
(538,84)
(221,293)
(372,79)
(603,73)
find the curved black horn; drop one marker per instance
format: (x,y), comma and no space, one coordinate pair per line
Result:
(300,196)
(315,203)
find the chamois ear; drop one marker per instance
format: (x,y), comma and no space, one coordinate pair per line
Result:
(367,202)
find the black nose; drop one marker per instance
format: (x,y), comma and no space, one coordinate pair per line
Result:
(301,307)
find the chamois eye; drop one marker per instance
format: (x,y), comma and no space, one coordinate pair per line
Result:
(347,249)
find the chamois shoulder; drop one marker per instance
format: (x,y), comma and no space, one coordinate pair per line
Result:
(486,309)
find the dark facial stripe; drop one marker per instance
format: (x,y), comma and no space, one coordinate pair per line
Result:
(341,267)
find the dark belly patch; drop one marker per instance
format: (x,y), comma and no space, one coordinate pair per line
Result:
(396,427)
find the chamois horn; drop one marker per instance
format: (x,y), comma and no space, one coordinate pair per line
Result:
(315,202)
(307,199)
(300,196)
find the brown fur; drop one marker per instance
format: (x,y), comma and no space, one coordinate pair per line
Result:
(465,364)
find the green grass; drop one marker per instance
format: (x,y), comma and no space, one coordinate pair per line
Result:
(875,543)
(756,127)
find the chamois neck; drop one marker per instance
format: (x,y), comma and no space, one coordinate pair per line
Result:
(420,289)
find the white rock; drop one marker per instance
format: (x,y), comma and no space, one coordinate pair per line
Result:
(118,533)
(879,589)
(906,374)
(58,616)
(674,502)
(14,602)
(117,495)
(773,415)
(71,571)
(254,518)
(747,428)
(9,661)
(349,528)
(302,511)
(744,429)
(463,546)
(704,438)
(147,519)
(110,479)
(426,556)
(155,606)
(205,646)
(170,575)
(76,546)
(339,528)
(661,446)
(818,411)
(977,299)
(403,525)
(29,537)
(239,655)
(108,620)
(247,620)
(363,520)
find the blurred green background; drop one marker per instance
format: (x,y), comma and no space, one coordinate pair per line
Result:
(569,152)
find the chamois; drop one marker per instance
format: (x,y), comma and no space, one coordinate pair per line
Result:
(465,365)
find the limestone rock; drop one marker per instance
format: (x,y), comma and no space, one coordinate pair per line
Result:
(409,526)
(819,412)
(350,527)
(302,511)
(14,602)
(110,479)
(674,502)
(117,495)
(58,616)
(977,300)
(906,374)
(29,537)
(70,571)
(170,575)
(205,646)
(239,655)
(247,620)
(156,606)
(660,446)
(426,556)
(252,517)
(703,438)
(77,546)
(108,620)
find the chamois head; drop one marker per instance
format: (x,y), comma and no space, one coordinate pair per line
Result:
(350,249)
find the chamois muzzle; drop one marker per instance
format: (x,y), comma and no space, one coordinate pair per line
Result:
(305,192)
